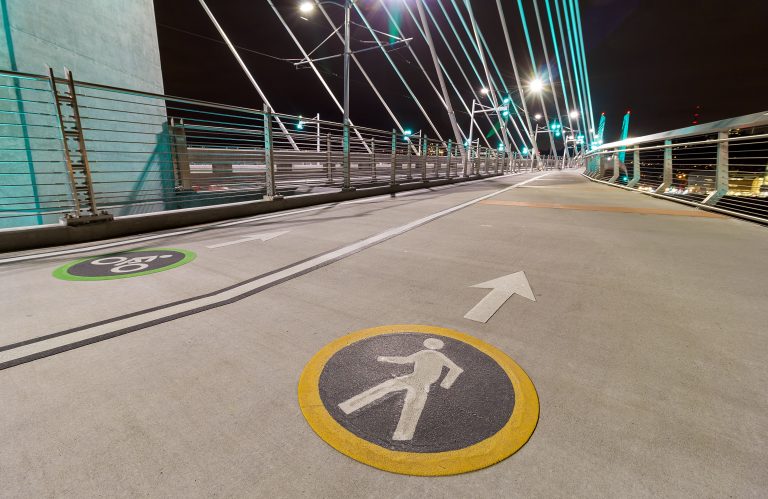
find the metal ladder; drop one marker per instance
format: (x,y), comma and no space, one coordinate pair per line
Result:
(85,210)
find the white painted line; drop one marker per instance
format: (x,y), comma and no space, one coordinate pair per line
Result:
(125,242)
(264,236)
(502,290)
(227,295)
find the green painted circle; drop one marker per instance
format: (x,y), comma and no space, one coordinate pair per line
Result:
(62,272)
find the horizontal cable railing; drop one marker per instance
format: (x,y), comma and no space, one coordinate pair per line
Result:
(721,166)
(80,152)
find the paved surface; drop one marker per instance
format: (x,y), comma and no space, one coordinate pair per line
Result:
(646,344)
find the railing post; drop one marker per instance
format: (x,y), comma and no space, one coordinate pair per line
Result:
(635,168)
(449,151)
(467,158)
(346,184)
(409,170)
(616,167)
(667,175)
(475,164)
(328,157)
(721,175)
(424,148)
(393,161)
(269,160)
(180,154)
(373,159)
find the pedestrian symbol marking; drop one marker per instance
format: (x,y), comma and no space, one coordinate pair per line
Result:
(122,265)
(427,368)
(418,400)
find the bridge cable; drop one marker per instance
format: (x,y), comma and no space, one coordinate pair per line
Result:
(503,20)
(247,72)
(399,74)
(314,68)
(535,69)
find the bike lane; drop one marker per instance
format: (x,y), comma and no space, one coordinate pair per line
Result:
(47,297)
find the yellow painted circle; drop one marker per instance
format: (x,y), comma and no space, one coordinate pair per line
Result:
(510,438)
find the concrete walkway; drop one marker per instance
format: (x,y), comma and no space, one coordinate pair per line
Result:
(646,343)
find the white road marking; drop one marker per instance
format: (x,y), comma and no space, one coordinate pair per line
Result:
(144,319)
(502,289)
(264,236)
(125,242)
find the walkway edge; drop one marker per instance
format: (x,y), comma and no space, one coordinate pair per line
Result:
(59,235)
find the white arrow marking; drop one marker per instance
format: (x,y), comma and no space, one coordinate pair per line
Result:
(502,289)
(266,236)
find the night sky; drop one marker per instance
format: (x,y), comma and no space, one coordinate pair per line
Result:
(659,58)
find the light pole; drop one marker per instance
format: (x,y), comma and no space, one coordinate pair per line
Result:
(503,109)
(345,141)
(306,8)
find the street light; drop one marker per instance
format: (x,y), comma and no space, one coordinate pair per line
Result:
(574,114)
(484,91)
(537,116)
(306,7)
(536,85)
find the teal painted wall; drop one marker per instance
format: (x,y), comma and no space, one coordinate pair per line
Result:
(113,42)
(110,42)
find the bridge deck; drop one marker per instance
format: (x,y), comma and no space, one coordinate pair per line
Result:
(646,344)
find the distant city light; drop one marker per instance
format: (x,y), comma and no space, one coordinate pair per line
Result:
(506,100)
(306,7)
(300,124)
(536,85)
(525,151)
(501,147)
(407,134)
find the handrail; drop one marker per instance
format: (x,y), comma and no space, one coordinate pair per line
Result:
(750,120)
(720,166)
(151,152)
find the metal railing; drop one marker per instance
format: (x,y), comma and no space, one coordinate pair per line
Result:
(107,151)
(720,166)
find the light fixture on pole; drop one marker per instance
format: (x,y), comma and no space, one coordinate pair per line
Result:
(536,85)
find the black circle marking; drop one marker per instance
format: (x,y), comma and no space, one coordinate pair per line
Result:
(478,404)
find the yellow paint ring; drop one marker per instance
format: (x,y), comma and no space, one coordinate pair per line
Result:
(508,440)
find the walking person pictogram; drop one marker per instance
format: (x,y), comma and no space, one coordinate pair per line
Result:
(427,368)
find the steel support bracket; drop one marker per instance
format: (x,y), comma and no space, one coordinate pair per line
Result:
(667,175)
(722,174)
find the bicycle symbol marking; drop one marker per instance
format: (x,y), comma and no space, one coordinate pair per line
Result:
(132,263)
(124,265)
